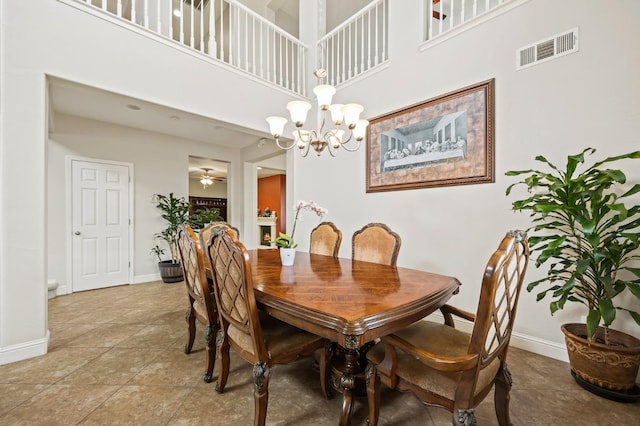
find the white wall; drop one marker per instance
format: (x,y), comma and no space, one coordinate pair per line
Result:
(47,37)
(217,190)
(161,165)
(585,99)
(588,98)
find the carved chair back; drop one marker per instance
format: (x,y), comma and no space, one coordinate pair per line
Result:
(201,303)
(376,243)
(325,239)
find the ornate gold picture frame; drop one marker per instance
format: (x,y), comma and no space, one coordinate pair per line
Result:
(444,141)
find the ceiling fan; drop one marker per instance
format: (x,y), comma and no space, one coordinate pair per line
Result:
(206,179)
(435,13)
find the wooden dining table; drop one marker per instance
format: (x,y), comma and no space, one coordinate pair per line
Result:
(351,303)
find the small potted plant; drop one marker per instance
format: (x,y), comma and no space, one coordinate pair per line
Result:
(590,239)
(285,241)
(175,211)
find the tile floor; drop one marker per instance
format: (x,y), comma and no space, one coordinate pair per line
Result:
(116,358)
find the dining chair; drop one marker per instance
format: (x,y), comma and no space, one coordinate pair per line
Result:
(377,243)
(325,239)
(446,367)
(204,236)
(204,232)
(259,339)
(202,305)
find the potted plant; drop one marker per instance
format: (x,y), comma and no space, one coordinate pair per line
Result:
(285,241)
(202,217)
(589,238)
(175,211)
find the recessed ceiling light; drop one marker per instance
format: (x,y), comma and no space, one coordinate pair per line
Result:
(133,107)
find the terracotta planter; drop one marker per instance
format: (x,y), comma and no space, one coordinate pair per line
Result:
(613,367)
(170,272)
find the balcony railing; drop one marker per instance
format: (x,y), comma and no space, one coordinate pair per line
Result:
(221,29)
(357,45)
(444,15)
(229,32)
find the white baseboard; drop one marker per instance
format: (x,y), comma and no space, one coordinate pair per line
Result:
(24,350)
(540,346)
(52,288)
(138,279)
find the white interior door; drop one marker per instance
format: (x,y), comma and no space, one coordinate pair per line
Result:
(100,225)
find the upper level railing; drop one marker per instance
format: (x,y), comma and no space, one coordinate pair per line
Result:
(357,45)
(445,15)
(222,29)
(230,32)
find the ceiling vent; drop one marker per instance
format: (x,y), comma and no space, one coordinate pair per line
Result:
(551,48)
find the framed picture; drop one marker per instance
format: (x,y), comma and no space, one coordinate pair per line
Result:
(448,140)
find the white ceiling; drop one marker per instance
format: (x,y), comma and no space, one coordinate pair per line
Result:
(79,100)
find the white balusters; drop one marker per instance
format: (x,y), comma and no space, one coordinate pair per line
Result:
(146,14)
(169,6)
(201,26)
(441,18)
(181,20)
(192,28)
(357,45)
(227,31)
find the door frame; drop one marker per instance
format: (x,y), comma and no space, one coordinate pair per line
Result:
(69,213)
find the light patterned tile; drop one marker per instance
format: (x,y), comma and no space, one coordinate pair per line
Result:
(114,367)
(139,405)
(58,405)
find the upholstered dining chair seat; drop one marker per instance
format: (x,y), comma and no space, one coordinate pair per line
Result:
(438,339)
(200,307)
(280,338)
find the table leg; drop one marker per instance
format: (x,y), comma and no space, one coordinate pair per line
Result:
(348,384)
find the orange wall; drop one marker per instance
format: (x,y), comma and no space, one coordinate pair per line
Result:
(272,194)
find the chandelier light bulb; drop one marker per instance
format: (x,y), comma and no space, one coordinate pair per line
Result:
(360,130)
(298,111)
(352,114)
(276,125)
(324,93)
(336,114)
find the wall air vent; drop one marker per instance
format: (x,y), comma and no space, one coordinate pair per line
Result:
(550,48)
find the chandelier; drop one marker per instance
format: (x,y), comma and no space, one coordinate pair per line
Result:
(332,139)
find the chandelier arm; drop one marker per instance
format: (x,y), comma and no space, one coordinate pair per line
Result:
(324,118)
(284,147)
(349,138)
(305,149)
(351,149)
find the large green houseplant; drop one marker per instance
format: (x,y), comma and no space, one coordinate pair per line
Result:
(175,212)
(589,238)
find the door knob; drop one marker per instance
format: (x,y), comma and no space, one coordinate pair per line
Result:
(77,233)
